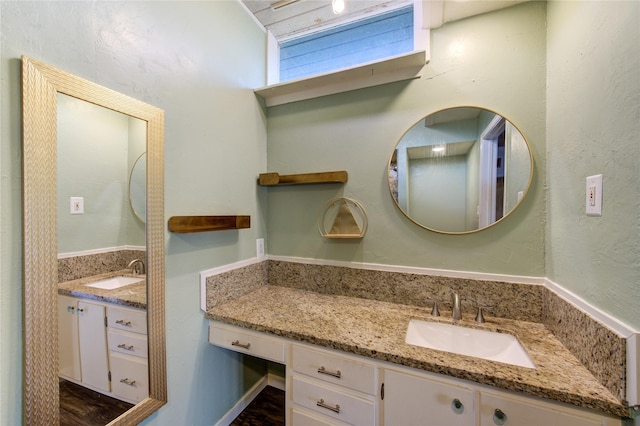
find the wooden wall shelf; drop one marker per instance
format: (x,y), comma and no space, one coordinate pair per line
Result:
(190,224)
(273,179)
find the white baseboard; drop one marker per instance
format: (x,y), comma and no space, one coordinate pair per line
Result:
(268,380)
(243,403)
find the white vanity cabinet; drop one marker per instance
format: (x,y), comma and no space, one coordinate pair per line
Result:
(502,408)
(420,398)
(103,347)
(329,387)
(82,343)
(128,353)
(68,338)
(411,399)
(93,345)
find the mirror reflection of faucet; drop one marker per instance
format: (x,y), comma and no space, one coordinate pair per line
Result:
(137,267)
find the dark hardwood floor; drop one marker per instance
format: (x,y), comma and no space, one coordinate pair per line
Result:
(80,406)
(266,410)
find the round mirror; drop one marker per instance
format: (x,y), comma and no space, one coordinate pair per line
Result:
(460,170)
(138,187)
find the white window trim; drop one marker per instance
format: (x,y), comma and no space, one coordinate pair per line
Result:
(387,70)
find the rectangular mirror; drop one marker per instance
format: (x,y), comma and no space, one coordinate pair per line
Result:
(76,205)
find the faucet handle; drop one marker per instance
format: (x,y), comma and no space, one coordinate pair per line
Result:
(435,312)
(479,315)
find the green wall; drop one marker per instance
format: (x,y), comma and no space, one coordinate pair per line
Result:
(593,127)
(174,55)
(198,61)
(96,149)
(496,61)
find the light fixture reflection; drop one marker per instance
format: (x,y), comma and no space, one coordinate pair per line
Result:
(338,6)
(438,148)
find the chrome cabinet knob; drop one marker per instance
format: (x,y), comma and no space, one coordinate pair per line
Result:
(499,417)
(457,406)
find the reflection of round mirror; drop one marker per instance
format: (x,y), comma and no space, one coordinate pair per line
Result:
(138,187)
(460,170)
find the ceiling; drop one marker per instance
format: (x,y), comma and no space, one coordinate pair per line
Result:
(287,19)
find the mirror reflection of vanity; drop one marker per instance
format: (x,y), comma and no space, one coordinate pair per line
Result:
(92,268)
(460,170)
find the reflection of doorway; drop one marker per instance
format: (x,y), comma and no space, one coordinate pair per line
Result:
(492,168)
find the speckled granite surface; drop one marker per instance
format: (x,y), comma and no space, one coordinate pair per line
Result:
(377,330)
(515,301)
(134,295)
(230,285)
(73,268)
(605,355)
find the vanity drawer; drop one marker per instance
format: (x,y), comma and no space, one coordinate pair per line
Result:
(246,342)
(129,377)
(333,402)
(300,417)
(127,319)
(128,343)
(333,368)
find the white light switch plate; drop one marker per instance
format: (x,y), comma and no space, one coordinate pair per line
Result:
(593,201)
(76,205)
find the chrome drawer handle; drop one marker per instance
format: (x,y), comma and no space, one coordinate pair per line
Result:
(337,374)
(237,343)
(123,322)
(335,409)
(128,382)
(125,347)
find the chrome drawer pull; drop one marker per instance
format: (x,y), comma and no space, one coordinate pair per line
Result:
(123,322)
(125,347)
(337,374)
(237,343)
(335,409)
(128,382)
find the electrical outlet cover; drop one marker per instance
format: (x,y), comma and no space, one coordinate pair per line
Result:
(593,200)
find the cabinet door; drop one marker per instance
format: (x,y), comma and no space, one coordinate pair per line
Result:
(502,409)
(68,341)
(93,345)
(411,400)
(130,377)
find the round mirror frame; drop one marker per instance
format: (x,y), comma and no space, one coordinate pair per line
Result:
(519,202)
(142,216)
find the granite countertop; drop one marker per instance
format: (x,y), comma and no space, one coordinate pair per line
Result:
(133,295)
(377,330)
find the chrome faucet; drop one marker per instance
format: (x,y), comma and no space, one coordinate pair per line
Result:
(456,313)
(137,267)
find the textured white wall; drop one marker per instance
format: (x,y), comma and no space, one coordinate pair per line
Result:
(198,61)
(593,127)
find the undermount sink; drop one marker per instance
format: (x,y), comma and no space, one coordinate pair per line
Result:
(115,282)
(473,342)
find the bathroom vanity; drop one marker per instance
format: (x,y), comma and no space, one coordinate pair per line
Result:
(103,336)
(347,362)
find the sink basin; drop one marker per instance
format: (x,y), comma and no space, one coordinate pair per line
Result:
(115,282)
(484,344)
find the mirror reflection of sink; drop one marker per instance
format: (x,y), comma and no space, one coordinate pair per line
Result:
(115,282)
(473,342)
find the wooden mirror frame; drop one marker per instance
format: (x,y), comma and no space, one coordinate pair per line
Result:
(40,84)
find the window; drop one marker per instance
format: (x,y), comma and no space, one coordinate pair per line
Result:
(358,42)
